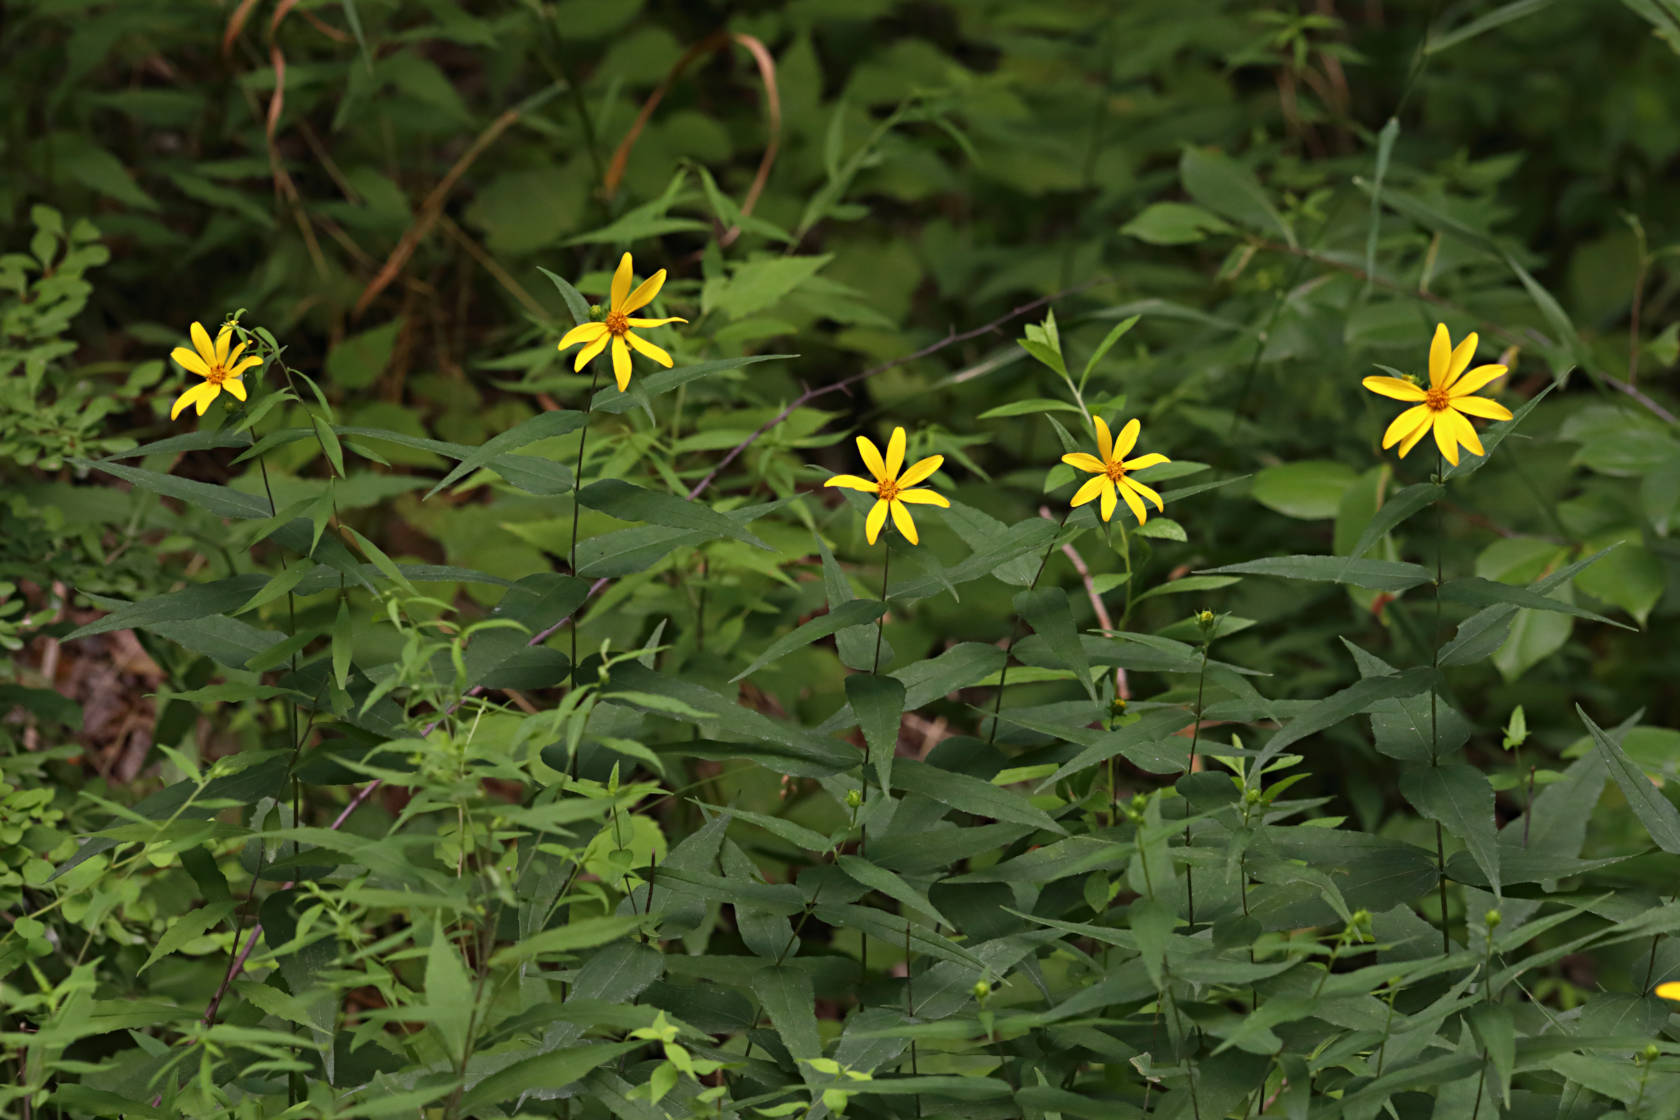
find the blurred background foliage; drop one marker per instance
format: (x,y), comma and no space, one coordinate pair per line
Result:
(1286,196)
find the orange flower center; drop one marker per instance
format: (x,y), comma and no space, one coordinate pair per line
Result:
(888,489)
(1436,400)
(618,323)
(217,374)
(1114,469)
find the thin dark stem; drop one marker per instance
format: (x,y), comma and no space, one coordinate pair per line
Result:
(863,776)
(1190,768)
(577,506)
(1434,694)
(1015,632)
(881,623)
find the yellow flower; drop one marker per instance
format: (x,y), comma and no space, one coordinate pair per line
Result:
(1442,407)
(220,369)
(891,487)
(1111,468)
(616,329)
(1669,989)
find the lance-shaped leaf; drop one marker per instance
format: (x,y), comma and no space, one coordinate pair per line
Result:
(617,498)
(1459,798)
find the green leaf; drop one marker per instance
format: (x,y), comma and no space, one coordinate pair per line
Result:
(544,425)
(1308,489)
(1375,575)
(878,704)
(576,305)
(449,994)
(1654,811)
(1418,728)
(855,644)
(1032,406)
(190,926)
(222,501)
(970,795)
(788,999)
(610,400)
(1494,434)
(357,362)
(1460,798)
(626,502)
(889,884)
(1047,611)
(1474,589)
(574,935)
(343,637)
(760,284)
(1226,187)
(553,1070)
(855,613)
(1115,334)
(1350,701)
(1400,505)
(1174,223)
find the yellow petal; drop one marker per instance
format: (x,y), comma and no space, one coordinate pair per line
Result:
(620,284)
(1092,487)
(871,458)
(583,332)
(235,386)
(853,482)
(1481,406)
(224,338)
(644,293)
(877,518)
(1405,424)
(1126,440)
(1668,989)
(1417,435)
(1084,461)
(895,453)
(1394,388)
(1440,354)
(189,361)
(588,352)
(233,355)
(201,342)
(239,370)
(924,498)
(645,323)
(1445,435)
(901,518)
(920,470)
(648,348)
(1146,492)
(1475,379)
(1108,498)
(1153,459)
(1105,442)
(1462,355)
(1134,504)
(1459,429)
(200,395)
(621,363)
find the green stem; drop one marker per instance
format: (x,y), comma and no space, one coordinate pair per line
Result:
(1015,633)
(1434,694)
(1190,768)
(577,506)
(863,782)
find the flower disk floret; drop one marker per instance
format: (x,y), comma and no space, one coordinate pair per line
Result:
(619,328)
(894,492)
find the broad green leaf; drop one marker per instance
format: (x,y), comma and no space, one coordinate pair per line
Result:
(1047,611)
(1350,701)
(969,795)
(627,502)
(1474,589)
(889,884)
(1654,811)
(577,934)
(576,306)
(1308,489)
(855,613)
(756,285)
(610,400)
(1400,506)
(544,425)
(449,993)
(553,1070)
(787,997)
(855,644)
(1174,223)
(1032,406)
(1376,575)
(222,501)
(357,362)
(1228,188)
(190,926)
(878,704)
(1459,797)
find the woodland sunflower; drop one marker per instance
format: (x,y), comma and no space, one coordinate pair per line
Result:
(220,368)
(617,329)
(1112,471)
(1443,407)
(892,489)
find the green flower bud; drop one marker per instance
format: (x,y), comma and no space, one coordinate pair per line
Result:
(1492,918)
(1251,796)
(1651,1052)
(596,311)
(1204,619)
(854,798)
(982,990)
